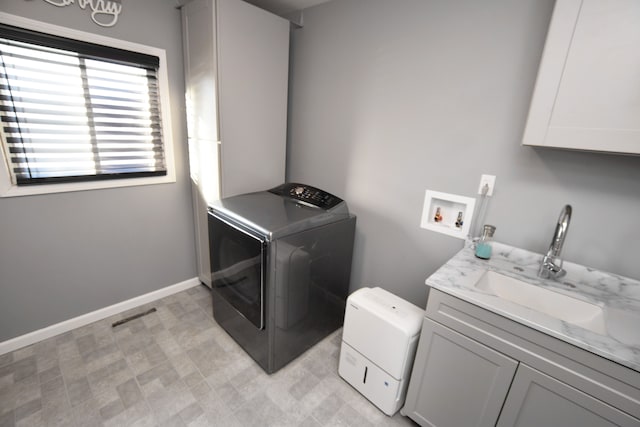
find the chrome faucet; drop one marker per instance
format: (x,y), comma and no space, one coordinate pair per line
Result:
(551,266)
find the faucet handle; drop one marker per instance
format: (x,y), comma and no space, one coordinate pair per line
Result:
(551,268)
(551,265)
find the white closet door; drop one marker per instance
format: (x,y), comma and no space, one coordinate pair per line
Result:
(253,66)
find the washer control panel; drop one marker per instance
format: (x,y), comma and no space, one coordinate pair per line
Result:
(307,194)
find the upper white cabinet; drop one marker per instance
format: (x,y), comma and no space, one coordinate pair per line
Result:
(587,95)
(237,72)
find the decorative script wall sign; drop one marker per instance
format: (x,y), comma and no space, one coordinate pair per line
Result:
(103,12)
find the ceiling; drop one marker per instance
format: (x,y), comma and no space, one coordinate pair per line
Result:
(281,7)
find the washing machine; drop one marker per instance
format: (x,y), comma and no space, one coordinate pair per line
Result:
(280,269)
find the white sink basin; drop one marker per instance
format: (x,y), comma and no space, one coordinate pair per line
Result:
(560,306)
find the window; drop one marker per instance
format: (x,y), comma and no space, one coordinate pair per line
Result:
(80,114)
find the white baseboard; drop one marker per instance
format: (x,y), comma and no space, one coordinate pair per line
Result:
(85,319)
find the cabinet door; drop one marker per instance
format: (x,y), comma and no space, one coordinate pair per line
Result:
(198,37)
(586,94)
(536,399)
(202,234)
(456,381)
(199,48)
(253,77)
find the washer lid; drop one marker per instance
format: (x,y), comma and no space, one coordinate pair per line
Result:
(275,215)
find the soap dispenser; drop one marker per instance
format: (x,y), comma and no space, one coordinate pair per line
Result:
(483,247)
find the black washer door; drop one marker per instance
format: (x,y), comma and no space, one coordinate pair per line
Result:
(238,268)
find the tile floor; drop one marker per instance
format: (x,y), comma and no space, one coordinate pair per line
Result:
(174,367)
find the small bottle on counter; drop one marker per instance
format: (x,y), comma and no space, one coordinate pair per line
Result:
(483,247)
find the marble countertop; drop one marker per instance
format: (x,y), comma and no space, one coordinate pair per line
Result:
(618,296)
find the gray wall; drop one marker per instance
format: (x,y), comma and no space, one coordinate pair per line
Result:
(63,255)
(390,98)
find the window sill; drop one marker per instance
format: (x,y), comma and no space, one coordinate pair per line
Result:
(33,190)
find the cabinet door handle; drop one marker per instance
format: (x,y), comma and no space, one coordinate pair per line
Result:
(364,380)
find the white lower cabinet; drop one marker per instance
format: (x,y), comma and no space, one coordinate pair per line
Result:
(536,399)
(475,368)
(458,382)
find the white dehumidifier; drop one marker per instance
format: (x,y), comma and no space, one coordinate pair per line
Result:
(379,341)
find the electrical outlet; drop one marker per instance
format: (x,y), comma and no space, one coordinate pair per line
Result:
(489,180)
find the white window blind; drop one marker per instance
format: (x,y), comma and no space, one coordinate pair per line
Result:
(75,111)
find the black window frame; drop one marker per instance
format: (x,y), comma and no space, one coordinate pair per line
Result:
(89,51)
